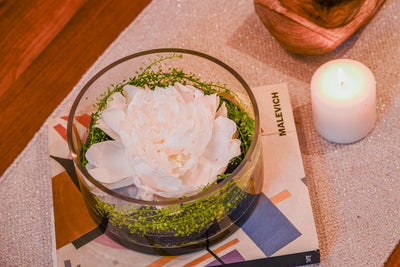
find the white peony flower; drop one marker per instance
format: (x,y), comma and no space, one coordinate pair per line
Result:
(169,142)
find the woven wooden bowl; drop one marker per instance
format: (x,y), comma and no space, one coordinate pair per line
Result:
(314,26)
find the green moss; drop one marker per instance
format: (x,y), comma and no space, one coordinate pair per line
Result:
(175,220)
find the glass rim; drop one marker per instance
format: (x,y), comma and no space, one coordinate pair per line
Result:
(201,194)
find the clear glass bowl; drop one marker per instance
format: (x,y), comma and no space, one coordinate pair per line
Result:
(180,225)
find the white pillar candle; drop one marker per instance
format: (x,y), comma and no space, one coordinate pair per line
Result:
(343,96)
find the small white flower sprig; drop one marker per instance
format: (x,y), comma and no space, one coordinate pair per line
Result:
(112,109)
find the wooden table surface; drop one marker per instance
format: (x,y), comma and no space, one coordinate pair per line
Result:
(45,48)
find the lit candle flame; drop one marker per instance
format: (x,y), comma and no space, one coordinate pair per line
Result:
(341,76)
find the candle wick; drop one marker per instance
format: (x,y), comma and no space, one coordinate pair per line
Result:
(341,76)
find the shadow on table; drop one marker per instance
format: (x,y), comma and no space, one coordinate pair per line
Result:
(253,39)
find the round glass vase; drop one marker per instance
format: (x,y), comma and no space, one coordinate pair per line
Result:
(170,226)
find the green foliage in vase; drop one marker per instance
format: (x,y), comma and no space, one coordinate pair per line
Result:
(177,220)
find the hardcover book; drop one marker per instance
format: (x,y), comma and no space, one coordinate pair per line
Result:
(281,230)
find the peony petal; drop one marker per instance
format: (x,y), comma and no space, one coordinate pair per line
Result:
(117,100)
(105,128)
(107,176)
(150,177)
(222,111)
(174,143)
(181,191)
(224,125)
(202,129)
(113,118)
(109,155)
(130,92)
(222,148)
(187,92)
(139,99)
(201,174)
(121,183)
(145,192)
(90,166)
(210,102)
(131,141)
(197,92)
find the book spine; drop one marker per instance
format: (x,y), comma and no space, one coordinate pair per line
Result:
(303,258)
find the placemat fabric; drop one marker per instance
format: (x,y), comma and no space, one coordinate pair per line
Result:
(354,188)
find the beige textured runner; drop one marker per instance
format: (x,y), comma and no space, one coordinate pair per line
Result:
(354,188)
